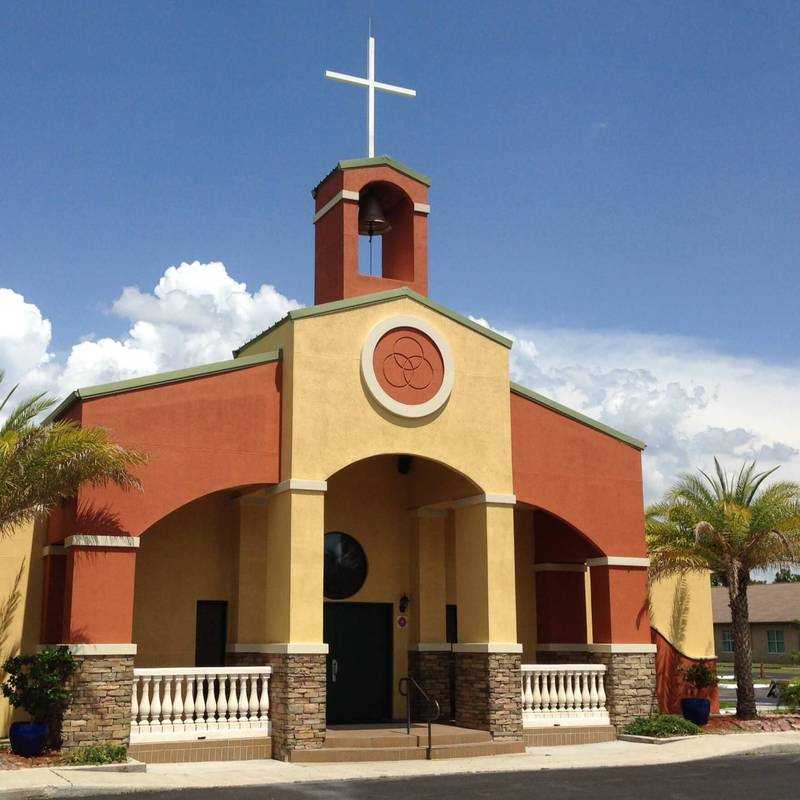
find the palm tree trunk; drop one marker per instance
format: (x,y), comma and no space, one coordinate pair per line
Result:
(738,579)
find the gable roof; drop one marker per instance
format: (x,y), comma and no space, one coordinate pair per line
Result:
(772,602)
(373,299)
(161,378)
(377,161)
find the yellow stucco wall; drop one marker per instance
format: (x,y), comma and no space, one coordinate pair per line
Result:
(189,555)
(680,610)
(330,422)
(20,597)
(334,422)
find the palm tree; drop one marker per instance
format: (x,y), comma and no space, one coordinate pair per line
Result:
(729,525)
(44,463)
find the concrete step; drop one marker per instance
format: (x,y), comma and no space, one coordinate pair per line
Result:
(418,753)
(342,739)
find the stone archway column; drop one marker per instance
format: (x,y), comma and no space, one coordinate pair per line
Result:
(286,631)
(97,627)
(487,654)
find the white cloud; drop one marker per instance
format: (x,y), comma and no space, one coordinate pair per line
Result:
(687,399)
(195,314)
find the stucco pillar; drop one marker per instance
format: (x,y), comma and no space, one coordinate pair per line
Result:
(487,654)
(97,627)
(291,623)
(429,660)
(54,576)
(249,621)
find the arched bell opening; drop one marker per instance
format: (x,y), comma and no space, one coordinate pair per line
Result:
(386,232)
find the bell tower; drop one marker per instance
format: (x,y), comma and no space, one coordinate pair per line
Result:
(370,197)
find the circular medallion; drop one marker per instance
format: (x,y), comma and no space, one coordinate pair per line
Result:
(345,566)
(407,366)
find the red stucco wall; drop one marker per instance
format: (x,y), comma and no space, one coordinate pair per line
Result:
(589,479)
(201,436)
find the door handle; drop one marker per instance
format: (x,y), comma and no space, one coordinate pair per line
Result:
(334,669)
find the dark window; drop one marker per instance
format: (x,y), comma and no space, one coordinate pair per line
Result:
(345,566)
(210,633)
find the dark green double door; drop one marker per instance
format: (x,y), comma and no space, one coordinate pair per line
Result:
(359,669)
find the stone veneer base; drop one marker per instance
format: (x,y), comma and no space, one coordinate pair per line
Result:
(431,669)
(100,709)
(296,699)
(488,693)
(630,681)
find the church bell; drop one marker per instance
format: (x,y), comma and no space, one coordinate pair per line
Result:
(371,217)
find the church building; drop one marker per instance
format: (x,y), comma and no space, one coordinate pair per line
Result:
(358,506)
(357,519)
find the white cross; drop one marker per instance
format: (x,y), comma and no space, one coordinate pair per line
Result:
(371,85)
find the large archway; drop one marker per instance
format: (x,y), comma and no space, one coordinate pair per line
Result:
(397,510)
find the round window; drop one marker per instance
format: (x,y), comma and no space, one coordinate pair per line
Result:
(345,566)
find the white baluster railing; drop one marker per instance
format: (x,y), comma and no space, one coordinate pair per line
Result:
(563,694)
(185,703)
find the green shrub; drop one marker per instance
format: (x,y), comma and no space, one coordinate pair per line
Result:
(38,683)
(97,754)
(700,676)
(661,726)
(790,695)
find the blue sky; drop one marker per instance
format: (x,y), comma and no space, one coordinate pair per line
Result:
(609,179)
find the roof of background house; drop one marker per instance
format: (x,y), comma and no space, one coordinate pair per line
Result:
(772,602)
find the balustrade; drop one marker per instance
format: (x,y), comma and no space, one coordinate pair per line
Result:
(563,694)
(191,702)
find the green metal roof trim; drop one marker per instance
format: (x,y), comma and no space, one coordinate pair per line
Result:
(374,299)
(529,394)
(162,378)
(378,161)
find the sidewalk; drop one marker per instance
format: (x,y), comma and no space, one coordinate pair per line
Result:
(60,782)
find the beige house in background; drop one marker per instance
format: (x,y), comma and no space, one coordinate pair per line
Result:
(774,621)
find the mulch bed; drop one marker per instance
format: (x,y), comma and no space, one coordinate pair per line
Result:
(9,760)
(767,724)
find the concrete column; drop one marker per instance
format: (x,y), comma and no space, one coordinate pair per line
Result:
(290,621)
(430,660)
(487,654)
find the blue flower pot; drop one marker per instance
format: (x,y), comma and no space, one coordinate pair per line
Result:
(696,709)
(28,738)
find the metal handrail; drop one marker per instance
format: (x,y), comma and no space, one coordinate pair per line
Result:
(431,701)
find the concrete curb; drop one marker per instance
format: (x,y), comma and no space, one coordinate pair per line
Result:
(629,737)
(131,765)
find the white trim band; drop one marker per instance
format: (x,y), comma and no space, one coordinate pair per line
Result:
(422,208)
(549,566)
(371,379)
(619,561)
(95,649)
(54,550)
(597,648)
(88,540)
(487,647)
(431,647)
(486,499)
(290,648)
(298,485)
(345,194)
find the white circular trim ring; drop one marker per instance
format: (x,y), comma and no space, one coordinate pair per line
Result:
(368,369)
